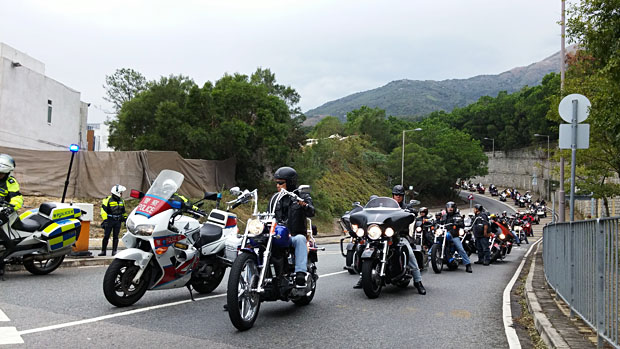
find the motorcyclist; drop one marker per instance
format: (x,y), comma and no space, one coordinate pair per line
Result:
(293,214)
(113,215)
(9,192)
(452,216)
(9,188)
(424,217)
(481,233)
(398,194)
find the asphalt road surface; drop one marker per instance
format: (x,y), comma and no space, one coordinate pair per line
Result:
(67,309)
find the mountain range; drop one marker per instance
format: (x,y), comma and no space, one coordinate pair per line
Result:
(417,98)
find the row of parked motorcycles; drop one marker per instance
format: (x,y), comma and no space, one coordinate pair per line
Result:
(167,247)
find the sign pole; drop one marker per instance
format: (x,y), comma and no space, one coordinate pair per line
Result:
(573,161)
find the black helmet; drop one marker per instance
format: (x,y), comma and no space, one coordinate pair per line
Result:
(424,209)
(451,204)
(289,175)
(479,207)
(398,190)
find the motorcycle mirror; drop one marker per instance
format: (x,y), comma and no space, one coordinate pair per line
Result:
(357,203)
(414,202)
(136,194)
(235,191)
(304,188)
(210,196)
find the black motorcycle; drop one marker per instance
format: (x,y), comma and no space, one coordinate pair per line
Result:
(444,252)
(385,259)
(356,244)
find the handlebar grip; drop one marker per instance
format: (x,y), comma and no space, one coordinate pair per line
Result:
(236,204)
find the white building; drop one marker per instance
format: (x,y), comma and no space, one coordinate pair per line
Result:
(100,136)
(37,112)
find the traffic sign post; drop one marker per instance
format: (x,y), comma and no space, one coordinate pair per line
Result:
(470,197)
(574,108)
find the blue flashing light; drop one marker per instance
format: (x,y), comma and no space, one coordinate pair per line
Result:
(74,148)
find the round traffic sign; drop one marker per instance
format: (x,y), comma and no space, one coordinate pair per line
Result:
(566,107)
(470,197)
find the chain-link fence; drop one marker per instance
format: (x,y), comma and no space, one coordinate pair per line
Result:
(582,265)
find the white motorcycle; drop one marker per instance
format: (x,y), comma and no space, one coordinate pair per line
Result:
(167,249)
(39,238)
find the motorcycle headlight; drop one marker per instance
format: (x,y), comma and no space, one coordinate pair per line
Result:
(374,232)
(418,229)
(254,227)
(389,232)
(461,232)
(131,226)
(439,232)
(144,229)
(359,232)
(354,226)
(517,228)
(502,236)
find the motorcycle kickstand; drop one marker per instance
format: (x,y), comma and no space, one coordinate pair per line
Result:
(191,295)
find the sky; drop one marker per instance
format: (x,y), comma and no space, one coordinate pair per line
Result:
(324,49)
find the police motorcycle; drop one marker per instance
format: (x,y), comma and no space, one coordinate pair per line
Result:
(39,238)
(167,249)
(444,252)
(356,244)
(385,259)
(264,269)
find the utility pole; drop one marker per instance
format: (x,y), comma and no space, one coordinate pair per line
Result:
(561,201)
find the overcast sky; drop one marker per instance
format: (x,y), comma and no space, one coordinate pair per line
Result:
(323,49)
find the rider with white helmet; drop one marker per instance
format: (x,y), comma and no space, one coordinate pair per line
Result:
(9,188)
(113,214)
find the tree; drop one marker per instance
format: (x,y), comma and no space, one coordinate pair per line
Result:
(122,86)
(328,126)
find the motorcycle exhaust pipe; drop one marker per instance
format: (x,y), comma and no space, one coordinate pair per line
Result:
(46,256)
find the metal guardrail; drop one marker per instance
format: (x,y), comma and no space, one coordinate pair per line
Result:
(582,262)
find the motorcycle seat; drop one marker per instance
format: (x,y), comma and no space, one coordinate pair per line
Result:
(32,223)
(209,233)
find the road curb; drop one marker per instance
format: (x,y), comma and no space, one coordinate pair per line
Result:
(548,333)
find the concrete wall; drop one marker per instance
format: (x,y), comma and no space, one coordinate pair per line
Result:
(515,169)
(24,95)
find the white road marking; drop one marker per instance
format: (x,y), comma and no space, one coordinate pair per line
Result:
(511,333)
(131,312)
(3,316)
(9,335)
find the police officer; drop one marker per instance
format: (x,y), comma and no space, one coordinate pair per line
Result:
(113,214)
(293,215)
(9,188)
(9,192)
(452,216)
(481,233)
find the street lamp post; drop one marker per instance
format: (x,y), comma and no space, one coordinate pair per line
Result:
(493,140)
(402,163)
(548,164)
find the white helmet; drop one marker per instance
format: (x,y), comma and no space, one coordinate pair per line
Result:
(118,190)
(7,164)
(169,187)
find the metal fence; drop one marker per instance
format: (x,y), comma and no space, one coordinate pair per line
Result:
(582,265)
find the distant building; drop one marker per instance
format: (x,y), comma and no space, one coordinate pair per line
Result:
(98,137)
(36,111)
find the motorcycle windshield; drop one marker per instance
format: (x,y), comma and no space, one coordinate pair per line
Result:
(157,198)
(382,202)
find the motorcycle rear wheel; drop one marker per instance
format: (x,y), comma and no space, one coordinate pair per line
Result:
(204,286)
(118,286)
(436,259)
(371,280)
(243,304)
(350,262)
(43,267)
(305,300)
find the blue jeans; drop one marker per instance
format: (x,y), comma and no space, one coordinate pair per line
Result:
(413,263)
(459,248)
(301,253)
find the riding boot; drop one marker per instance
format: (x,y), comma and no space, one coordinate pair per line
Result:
(420,287)
(104,246)
(468,268)
(1,271)
(114,246)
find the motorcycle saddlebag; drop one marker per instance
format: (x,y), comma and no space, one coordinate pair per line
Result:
(61,233)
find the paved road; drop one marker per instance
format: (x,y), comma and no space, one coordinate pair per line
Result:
(468,306)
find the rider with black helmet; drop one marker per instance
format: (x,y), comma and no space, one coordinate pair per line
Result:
(452,216)
(398,194)
(293,215)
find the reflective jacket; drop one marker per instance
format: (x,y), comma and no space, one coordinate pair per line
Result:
(113,208)
(9,191)
(292,214)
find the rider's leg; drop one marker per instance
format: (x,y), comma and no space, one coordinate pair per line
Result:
(301,259)
(413,264)
(116,228)
(459,248)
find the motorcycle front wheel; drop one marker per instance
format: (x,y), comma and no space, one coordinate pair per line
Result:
(118,286)
(436,258)
(371,279)
(243,303)
(43,267)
